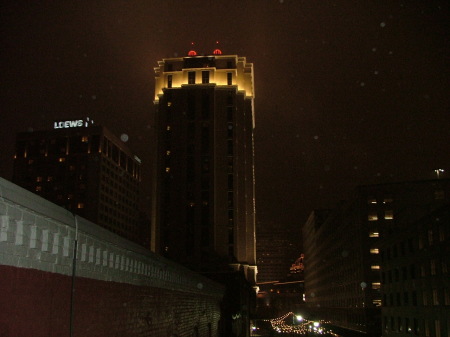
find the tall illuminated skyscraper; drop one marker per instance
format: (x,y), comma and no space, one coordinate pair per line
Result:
(204,187)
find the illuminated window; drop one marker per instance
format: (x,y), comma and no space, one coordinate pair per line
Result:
(372,216)
(372,200)
(168,127)
(62,159)
(49,178)
(168,153)
(389,214)
(375,267)
(84,139)
(374,235)
(377,303)
(374,251)
(38,188)
(376,285)
(191,77)
(38,179)
(80,205)
(167,169)
(169,103)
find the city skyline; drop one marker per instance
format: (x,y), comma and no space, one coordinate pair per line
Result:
(345,94)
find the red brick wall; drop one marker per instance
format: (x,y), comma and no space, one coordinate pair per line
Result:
(36,303)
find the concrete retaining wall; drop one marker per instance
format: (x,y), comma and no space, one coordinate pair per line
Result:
(121,289)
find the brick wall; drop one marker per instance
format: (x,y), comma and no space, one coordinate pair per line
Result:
(121,289)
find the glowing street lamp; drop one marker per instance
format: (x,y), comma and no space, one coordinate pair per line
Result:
(438,172)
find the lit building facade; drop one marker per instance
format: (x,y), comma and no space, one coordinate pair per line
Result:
(87,170)
(203,212)
(277,249)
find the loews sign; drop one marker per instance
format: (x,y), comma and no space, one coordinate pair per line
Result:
(73,124)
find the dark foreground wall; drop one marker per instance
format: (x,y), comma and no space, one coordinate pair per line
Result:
(120,288)
(36,303)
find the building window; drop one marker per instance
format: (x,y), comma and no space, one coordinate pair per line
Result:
(229,78)
(425,298)
(388,214)
(372,216)
(372,200)
(375,267)
(376,303)
(38,179)
(435,297)
(80,205)
(433,267)
(84,139)
(376,285)
(374,251)
(169,81)
(191,77)
(205,76)
(374,234)
(38,188)
(447,297)
(62,159)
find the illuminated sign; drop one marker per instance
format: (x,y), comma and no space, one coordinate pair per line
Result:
(78,123)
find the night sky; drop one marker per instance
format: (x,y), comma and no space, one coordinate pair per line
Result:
(348,92)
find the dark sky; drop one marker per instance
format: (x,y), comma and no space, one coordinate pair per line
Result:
(348,92)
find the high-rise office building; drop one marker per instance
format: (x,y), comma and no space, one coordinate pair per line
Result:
(378,263)
(204,189)
(85,169)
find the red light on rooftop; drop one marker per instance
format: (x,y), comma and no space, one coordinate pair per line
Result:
(217,52)
(192,53)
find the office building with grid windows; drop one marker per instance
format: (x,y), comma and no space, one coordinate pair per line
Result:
(379,263)
(87,170)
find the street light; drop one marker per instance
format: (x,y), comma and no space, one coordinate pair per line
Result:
(438,172)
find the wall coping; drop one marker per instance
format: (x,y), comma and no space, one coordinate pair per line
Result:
(37,234)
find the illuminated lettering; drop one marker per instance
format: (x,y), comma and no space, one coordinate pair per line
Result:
(69,124)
